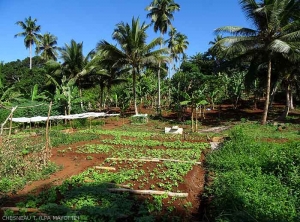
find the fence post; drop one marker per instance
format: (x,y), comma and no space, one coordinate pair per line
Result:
(9,116)
(47,156)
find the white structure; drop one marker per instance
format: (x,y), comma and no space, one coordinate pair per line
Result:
(61,117)
(173,130)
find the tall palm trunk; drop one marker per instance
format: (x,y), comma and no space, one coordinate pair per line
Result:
(80,94)
(268,89)
(288,102)
(158,81)
(134,92)
(274,90)
(169,83)
(30,56)
(291,100)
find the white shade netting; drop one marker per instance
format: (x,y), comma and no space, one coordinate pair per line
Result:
(61,117)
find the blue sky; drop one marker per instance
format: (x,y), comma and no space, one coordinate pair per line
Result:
(90,21)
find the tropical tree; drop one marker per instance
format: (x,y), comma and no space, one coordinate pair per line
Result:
(181,45)
(73,59)
(47,47)
(133,51)
(31,33)
(161,14)
(214,51)
(75,65)
(171,42)
(106,74)
(177,43)
(276,31)
(65,92)
(289,79)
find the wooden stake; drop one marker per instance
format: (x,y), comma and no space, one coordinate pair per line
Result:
(10,124)
(180,161)
(149,192)
(133,159)
(47,136)
(104,168)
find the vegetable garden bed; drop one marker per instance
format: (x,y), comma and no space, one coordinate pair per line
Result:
(166,188)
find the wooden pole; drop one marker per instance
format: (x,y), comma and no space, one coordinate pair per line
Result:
(133,159)
(10,124)
(47,136)
(151,192)
(104,168)
(9,116)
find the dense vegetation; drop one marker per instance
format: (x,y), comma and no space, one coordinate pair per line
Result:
(256,175)
(121,75)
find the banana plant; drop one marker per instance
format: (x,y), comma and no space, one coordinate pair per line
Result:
(37,96)
(65,92)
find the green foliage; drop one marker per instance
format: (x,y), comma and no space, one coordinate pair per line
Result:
(255,180)
(93,148)
(58,138)
(35,109)
(4,114)
(79,123)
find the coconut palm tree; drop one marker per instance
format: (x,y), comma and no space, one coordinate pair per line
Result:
(133,52)
(73,59)
(47,47)
(161,14)
(172,43)
(74,64)
(177,43)
(181,44)
(276,31)
(31,34)
(105,74)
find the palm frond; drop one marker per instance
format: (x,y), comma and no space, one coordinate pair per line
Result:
(236,30)
(279,46)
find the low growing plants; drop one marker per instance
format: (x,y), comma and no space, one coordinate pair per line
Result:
(255,180)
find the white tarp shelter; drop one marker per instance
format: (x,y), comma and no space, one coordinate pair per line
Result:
(61,117)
